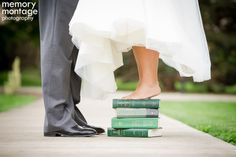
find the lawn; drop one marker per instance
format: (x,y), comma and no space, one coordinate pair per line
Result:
(215,118)
(126,86)
(8,102)
(29,77)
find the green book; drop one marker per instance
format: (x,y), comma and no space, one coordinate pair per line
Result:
(136,112)
(134,132)
(141,123)
(135,103)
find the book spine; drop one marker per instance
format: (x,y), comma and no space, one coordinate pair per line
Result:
(122,103)
(141,123)
(127,132)
(136,113)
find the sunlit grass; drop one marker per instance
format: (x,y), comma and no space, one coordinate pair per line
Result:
(8,102)
(215,118)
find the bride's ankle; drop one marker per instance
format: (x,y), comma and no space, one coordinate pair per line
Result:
(149,85)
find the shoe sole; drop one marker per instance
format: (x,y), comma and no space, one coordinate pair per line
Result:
(58,134)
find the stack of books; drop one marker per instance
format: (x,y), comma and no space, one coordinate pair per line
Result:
(135,118)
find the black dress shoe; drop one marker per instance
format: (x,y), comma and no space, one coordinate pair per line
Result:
(76,131)
(98,129)
(83,124)
(80,120)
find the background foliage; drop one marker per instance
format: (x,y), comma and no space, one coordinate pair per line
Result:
(219,16)
(19,39)
(219,19)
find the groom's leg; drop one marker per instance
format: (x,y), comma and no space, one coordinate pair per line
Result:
(76,86)
(56,49)
(75,89)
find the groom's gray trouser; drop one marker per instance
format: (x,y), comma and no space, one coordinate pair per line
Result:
(61,86)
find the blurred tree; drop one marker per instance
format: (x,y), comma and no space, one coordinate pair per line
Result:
(19,39)
(219,19)
(220,24)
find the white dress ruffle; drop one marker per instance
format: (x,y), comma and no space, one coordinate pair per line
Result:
(103,29)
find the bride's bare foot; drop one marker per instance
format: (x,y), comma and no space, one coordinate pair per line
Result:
(144,92)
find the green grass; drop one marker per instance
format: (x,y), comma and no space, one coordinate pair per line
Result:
(29,77)
(3,77)
(230,89)
(126,85)
(215,118)
(191,87)
(8,102)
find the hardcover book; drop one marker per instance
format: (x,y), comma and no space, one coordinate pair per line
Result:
(150,123)
(134,132)
(136,112)
(137,103)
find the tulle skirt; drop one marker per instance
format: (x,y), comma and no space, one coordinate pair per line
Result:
(103,29)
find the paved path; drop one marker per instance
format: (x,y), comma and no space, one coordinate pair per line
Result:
(21,136)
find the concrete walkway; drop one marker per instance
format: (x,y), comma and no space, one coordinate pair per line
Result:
(21,136)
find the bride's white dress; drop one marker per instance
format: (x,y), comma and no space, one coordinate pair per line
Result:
(103,29)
